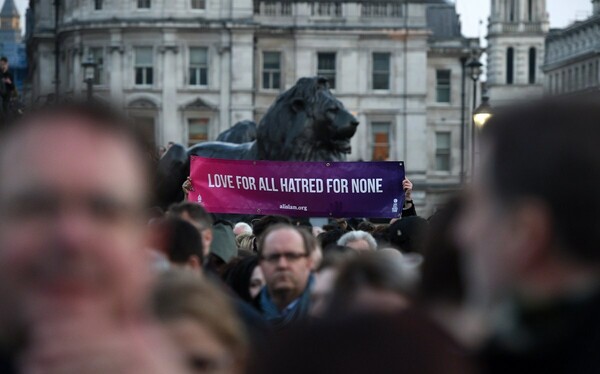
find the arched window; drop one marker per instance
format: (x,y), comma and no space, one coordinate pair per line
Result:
(532,65)
(510,64)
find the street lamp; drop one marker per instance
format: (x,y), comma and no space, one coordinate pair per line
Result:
(89,72)
(474,67)
(483,113)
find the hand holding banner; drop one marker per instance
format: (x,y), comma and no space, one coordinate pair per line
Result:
(299,189)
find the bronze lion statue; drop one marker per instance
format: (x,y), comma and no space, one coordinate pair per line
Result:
(305,123)
(242,132)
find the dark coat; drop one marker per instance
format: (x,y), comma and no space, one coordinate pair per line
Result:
(563,337)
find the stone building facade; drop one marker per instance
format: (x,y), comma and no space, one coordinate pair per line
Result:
(516,48)
(573,56)
(189,69)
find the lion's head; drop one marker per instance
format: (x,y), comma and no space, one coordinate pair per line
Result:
(306,123)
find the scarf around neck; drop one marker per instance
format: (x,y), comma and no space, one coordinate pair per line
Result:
(282,319)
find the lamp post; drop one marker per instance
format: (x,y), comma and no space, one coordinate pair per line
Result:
(463,125)
(89,72)
(474,67)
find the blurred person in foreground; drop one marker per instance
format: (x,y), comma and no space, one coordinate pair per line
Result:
(404,342)
(531,229)
(202,323)
(442,289)
(285,255)
(375,282)
(74,186)
(325,276)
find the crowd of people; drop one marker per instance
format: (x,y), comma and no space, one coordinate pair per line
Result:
(503,278)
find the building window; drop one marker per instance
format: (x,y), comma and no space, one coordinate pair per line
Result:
(271,70)
(381,71)
(442,151)
(369,9)
(329,9)
(326,67)
(273,8)
(198,67)
(144,66)
(443,86)
(144,4)
(510,64)
(532,65)
(512,10)
(381,141)
(530,10)
(98,4)
(286,9)
(270,9)
(197,130)
(97,54)
(198,4)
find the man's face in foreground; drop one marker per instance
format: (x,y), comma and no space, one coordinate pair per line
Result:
(71,223)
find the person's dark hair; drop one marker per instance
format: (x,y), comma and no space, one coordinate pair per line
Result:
(237,275)
(408,234)
(182,240)
(549,152)
(329,238)
(3,59)
(381,235)
(260,225)
(214,265)
(195,211)
(307,239)
(442,278)
(366,226)
(95,115)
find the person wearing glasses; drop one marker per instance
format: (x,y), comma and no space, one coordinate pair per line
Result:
(285,258)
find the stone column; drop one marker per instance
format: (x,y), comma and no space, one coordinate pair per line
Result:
(170,128)
(117,72)
(226,71)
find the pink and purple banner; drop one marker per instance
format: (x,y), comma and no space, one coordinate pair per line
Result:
(298,189)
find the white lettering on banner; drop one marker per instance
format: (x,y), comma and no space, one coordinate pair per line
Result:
(220,181)
(297,185)
(245,183)
(267,184)
(337,185)
(367,185)
(301,185)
